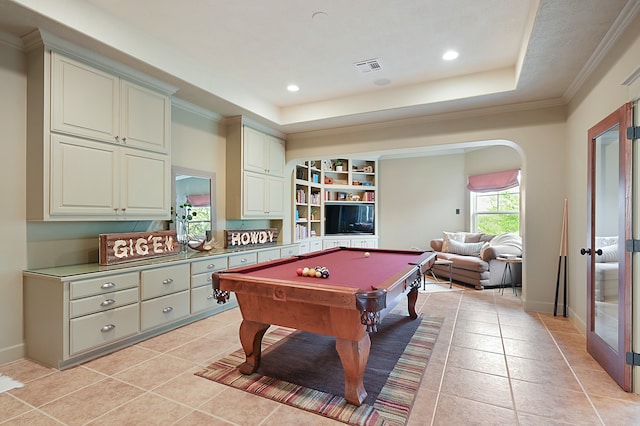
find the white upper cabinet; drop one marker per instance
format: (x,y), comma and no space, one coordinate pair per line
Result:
(90,103)
(262,153)
(103,181)
(255,170)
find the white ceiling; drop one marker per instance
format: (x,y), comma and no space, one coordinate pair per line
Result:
(237,57)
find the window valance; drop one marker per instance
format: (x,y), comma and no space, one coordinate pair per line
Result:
(492,182)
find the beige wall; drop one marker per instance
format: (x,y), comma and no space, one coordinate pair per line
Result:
(13,251)
(536,135)
(198,141)
(601,95)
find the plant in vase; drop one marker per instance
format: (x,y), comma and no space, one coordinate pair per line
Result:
(182,217)
(338,164)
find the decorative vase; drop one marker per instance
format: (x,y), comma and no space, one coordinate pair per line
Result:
(182,233)
(338,168)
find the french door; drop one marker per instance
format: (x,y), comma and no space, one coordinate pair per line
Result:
(609,222)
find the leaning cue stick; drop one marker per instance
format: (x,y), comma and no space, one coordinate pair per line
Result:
(565,238)
(563,251)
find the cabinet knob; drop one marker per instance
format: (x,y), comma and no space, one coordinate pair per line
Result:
(108,285)
(108,327)
(211,296)
(124,140)
(107,302)
(167,310)
(167,281)
(117,138)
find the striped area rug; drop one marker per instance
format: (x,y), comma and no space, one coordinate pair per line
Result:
(391,407)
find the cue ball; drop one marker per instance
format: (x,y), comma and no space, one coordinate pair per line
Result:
(367,254)
(305,272)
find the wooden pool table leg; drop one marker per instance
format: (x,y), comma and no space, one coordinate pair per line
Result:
(251,334)
(354,356)
(412,297)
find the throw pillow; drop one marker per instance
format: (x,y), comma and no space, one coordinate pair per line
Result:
(465,249)
(609,255)
(451,236)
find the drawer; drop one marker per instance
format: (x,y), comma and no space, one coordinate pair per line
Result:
(163,281)
(164,310)
(102,302)
(290,251)
(200,280)
(242,259)
(210,265)
(202,299)
(101,328)
(267,255)
(316,245)
(109,284)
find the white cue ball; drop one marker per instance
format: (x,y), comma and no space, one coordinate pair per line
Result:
(367,254)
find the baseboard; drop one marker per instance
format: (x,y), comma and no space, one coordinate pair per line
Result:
(12,353)
(534,306)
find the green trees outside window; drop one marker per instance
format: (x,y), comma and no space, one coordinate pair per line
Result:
(496,212)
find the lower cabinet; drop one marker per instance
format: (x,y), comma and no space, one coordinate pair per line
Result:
(361,242)
(76,313)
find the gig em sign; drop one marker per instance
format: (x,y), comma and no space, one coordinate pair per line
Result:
(118,248)
(245,238)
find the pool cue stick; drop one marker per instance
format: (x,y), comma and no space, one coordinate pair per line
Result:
(562,249)
(565,226)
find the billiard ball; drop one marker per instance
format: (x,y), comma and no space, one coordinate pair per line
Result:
(367,254)
(318,274)
(311,272)
(305,272)
(299,271)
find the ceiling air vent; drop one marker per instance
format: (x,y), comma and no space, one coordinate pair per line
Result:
(368,65)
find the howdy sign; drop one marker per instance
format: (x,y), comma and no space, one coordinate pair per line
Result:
(117,248)
(244,238)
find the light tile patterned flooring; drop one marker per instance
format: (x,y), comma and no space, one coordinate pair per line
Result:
(493,363)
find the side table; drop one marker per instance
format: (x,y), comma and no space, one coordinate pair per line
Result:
(508,270)
(440,262)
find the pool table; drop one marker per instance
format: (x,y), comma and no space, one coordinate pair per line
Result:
(362,287)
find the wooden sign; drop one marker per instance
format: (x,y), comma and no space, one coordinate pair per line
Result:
(118,248)
(245,238)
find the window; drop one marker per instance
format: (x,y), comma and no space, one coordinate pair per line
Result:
(496,212)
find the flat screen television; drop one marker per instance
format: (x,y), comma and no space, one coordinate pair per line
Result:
(349,219)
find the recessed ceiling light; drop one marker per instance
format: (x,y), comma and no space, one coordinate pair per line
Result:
(450,55)
(293,88)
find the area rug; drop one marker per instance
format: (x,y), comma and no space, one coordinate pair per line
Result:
(7,383)
(392,378)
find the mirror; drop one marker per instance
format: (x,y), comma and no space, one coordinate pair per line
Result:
(196,187)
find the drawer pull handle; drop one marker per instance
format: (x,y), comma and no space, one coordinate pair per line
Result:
(167,281)
(108,285)
(209,279)
(211,266)
(167,310)
(243,260)
(107,302)
(108,327)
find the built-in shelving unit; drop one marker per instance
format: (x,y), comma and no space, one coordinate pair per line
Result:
(318,183)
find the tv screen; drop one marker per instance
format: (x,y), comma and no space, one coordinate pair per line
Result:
(349,219)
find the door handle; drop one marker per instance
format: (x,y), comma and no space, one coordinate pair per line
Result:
(588,251)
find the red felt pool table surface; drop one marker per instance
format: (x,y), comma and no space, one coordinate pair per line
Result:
(348,267)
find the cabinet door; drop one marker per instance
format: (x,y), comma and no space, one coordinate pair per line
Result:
(276,156)
(254,152)
(145,181)
(144,118)
(84,100)
(84,177)
(274,196)
(254,195)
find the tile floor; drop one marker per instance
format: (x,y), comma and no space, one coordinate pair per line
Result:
(493,363)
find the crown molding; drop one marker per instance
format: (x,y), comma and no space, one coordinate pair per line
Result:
(11,40)
(195,109)
(623,20)
(456,115)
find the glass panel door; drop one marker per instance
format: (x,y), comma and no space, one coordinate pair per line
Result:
(609,227)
